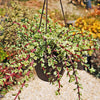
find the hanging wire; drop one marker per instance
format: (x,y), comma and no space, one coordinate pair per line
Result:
(46,14)
(46,2)
(63,13)
(42,14)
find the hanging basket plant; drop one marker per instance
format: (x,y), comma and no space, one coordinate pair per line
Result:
(58,50)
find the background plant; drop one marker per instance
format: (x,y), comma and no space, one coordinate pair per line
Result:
(17,13)
(2,11)
(3,54)
(89,24)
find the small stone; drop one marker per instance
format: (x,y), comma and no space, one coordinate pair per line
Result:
(1,96)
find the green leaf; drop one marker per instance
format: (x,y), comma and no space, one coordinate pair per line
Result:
(13,94)
(35,58)
(42,65)
(49,50)
(32,55)
(44,71)
(26,85)
(75,89)
(92,70)
(18,97)
(57,93)
(59,69)
(34,64)
(72,78)
(55,73)
(7,73)
(1,83)
(11,79)
(19,83)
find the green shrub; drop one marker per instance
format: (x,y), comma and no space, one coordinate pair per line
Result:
(15,13)
(2,11)
(3,54)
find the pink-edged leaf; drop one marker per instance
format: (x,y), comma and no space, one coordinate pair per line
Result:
(27,57)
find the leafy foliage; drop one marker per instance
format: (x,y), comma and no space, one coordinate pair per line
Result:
(15,13)
(2,11)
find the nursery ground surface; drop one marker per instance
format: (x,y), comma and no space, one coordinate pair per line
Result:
(72,11)
(41,90)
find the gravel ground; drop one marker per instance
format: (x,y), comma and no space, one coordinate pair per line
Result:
(54,5)
(42,90)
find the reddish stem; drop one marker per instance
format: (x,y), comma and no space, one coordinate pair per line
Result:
(75,77)
(87,49)
(71,52)
(67,68)
(19,90)
(58,78)
(27,57)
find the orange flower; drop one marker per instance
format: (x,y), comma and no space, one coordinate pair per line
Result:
(93,35)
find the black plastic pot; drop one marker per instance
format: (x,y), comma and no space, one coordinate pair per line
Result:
(44,77)
(81,67)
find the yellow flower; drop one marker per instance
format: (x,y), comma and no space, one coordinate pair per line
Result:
(98,35)
(98,4)
(0,48)
(90,29)
(80,26)
(74,33)
(76,24)
(89,24)
(70,25)
(91,43)
(1,28)
(90,53)
(53,14)
(93,35)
